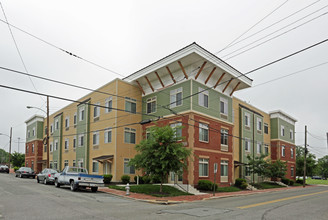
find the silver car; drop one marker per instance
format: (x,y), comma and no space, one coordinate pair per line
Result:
(46,176)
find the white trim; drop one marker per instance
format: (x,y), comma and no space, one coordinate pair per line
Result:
(282,115)
(33,119)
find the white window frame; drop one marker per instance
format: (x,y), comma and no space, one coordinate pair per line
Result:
(96,110)
(224,102)
(266,148)
(266,126)
(81,113)
(95,138)
(56,124)
(259,124)
(202,128)
(65,163)
(291,152)
(225,135)
(80,162)
(52,128)
(28,133)
(125,167)
(81,137)
(292,171)
(202,164)
(174,99)
(109,104)
(131,101)
(247,119)
(224,163)
(291,134)
(178,131)
(106,135)
(202,93)
(130,130)
(258,148)
(74,163)
(95,169)
(152,102)
(32,148)
(67,122)
(66,143)
(282,131)
(33,131)
(247,144)
(283,151)
(56,145)
(75,118)
(51,145)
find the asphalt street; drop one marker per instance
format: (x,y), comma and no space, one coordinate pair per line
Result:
(25,199)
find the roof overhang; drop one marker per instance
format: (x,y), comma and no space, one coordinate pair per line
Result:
(193,62)
(282,115)
(33,119)
(104,158)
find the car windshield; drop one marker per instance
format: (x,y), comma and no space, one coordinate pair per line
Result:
(25,169)
(52,171)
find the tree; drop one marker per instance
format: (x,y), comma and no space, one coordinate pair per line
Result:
(310,162)
(276,169)
(4,156)
(258,165)
(161,154)
(18,159)
(323,166)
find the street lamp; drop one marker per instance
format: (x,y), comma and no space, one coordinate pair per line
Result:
(47,138)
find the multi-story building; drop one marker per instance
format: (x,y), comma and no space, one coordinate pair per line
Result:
(191,88)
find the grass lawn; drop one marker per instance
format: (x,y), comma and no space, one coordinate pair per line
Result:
(228,189)
(152,190)
(311,181)
(267,186)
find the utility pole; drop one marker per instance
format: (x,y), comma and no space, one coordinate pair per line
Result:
(47,141)
(305,152)
(11,132)
(18,143)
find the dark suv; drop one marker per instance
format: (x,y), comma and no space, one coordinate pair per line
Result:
(25,172)
(4,169)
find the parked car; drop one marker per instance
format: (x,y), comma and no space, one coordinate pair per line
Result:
(25,172)
(316,177)
(78,177)
(46,176)
(4,169)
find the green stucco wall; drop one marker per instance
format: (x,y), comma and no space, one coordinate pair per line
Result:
(276,124)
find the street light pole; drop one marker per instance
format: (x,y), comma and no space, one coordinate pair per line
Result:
(11,132)
(47,141)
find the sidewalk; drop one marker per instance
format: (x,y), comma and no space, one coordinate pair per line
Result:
(191,198)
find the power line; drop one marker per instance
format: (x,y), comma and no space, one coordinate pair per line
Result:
(61,49)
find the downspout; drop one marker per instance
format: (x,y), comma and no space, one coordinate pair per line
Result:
(253,146)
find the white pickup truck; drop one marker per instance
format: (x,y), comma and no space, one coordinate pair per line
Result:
(78,177)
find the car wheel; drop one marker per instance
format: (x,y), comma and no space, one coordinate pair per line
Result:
(73,186)
(56,183)
(37,180)
(20,175)
(45,181)
(94,189)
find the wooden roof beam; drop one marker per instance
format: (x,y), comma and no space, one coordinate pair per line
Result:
(183,70)
(200,70)
(217,83)
(234,89)
(149,83)
(140,87)
(209,76)
(168,69)
(227,85)
(160,80)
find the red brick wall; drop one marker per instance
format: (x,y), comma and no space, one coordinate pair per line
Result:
(35,156)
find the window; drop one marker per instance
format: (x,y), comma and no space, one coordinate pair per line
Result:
(282,130)
(128,169)
(81,114)
(95,138)
(55,165)
(80,163)
(291,152)
(147,134)
(81,139)
(151,105)
(56,145)
(74,163)
(109,104)
(66,143)
(247,171)
(259,148)
(95,166)
(32,164)
(32,148)
(203,132)
(51,149)
(175,97)
(224,168)
(33,132)
(291,134)
(65,163)
(74,142)
(67,122)
(203,167)
(266,128)
(178,130)
(129,135)
(203,97)
(56,124)
(247,119)
(247,145)
(108,135)
(266,149)
(26,148)
(51,128)
(45,148)
(224,136)
(292,171)
(223,106)
(259,124)
(28,133)
(75,118)
(283,151)
(130,105)
(96,110)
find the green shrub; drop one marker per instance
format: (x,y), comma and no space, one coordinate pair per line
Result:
(243,185)
(206,185)
(300,181)
(239,181)
(285,181)
(155,179)
(16,168)
(146,179)
(108,178)
(291,182)
(125,179)
(140,179)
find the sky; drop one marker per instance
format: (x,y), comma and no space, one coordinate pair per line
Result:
(125,36)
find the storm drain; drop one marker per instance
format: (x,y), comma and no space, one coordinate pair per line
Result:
(198,212)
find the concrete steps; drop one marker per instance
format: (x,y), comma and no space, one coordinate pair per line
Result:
(186,188)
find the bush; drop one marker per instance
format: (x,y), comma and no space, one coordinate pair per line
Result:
(16,168)
(155,179)
(239,182)
(140,179)
(206,185)
(108,178)
(291,182)
(300,181)
(125,179)
(243,185)
(285,181)
(146,179)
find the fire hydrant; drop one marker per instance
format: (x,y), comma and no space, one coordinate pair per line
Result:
(127,189)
